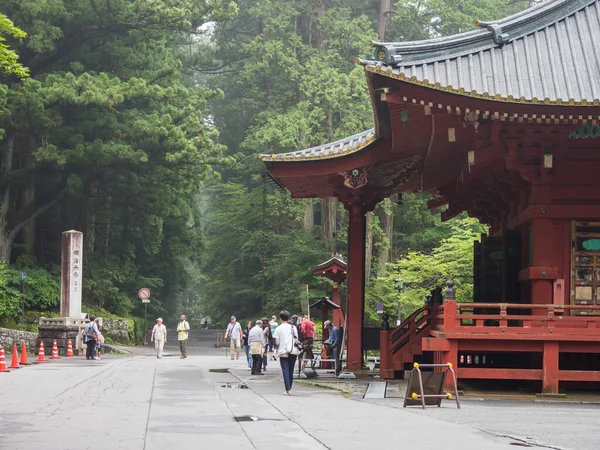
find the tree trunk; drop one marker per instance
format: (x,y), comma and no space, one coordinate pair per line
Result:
(29,196)
(382,22)
(328,221)
(107,228)
(318,12)
(308,218)
(5,168)
(386,218)
(368,247)
(89,230)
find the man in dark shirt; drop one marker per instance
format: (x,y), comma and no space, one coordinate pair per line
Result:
(334,343)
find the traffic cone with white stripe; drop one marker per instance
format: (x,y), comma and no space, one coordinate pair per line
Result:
(24,361)
(41,354)
(3,361)
(69,349)
(54,351)
(15,359)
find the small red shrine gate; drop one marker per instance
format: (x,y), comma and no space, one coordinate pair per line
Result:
(501,122)
(335,268)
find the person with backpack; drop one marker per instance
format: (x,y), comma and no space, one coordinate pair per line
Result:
(90,337)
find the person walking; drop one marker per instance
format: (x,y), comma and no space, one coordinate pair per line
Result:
(257,342)
(246,344)
(284,340)
(334,343)
(234,332)
(90,337)
(159,337)
(273,324)
(268,337)
(183,328)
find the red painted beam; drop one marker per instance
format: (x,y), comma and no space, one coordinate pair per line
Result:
(579,375)
(500,374)
(503,346)
(436,345)
(517,335)
(539,273)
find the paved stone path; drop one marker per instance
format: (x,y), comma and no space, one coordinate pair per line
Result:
(138,402)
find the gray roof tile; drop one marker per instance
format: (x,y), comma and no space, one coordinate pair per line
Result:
(551,52)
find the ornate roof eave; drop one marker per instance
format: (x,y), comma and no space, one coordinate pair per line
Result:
(591,113)
(387,71)
(337,149)
(335,259)
(325,301)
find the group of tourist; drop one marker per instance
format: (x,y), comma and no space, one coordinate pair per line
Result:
(93,339)
(286,340)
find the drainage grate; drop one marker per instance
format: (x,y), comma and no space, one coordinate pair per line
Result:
(219,370)
(235,386)
(520,444)
(246,419)
(252,419)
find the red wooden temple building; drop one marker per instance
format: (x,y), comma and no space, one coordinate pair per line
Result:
(501,122)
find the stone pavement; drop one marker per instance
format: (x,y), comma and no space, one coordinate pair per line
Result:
(141,403)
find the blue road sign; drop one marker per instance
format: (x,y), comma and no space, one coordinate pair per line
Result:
(23,276)
(379,306)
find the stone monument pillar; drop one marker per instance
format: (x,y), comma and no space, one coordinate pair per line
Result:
(71,274)
(69,325)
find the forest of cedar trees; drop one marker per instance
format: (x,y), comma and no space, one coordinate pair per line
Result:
(139,122)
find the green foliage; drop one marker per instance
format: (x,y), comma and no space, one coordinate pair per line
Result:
(111,139)
(10,298)
(41,289)
(9,60)
(423,271)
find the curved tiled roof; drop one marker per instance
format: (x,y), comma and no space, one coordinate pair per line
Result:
(549,53)
(343,147)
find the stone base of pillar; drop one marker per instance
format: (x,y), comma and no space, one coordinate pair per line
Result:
(62,329)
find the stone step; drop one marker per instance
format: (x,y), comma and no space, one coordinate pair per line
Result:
(376,390)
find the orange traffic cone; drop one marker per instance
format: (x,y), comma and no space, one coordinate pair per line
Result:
(41,354)
(69,349)
(54,351)
(24,361)
(2,361)
(15,358)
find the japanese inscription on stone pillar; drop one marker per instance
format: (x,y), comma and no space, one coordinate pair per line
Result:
(71,274)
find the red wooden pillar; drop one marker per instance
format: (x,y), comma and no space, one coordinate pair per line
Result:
(543,251)
(356,285)
(385,368)
(550,369)
(451,356)
(338,314)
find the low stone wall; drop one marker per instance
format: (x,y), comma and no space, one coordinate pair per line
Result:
(116,330)
(10,337)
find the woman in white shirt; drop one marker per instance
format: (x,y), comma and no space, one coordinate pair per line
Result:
(284,335)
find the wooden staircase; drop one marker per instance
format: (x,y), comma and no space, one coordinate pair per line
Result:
(406,340)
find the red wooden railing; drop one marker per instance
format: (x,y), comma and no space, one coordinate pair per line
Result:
(515,318)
